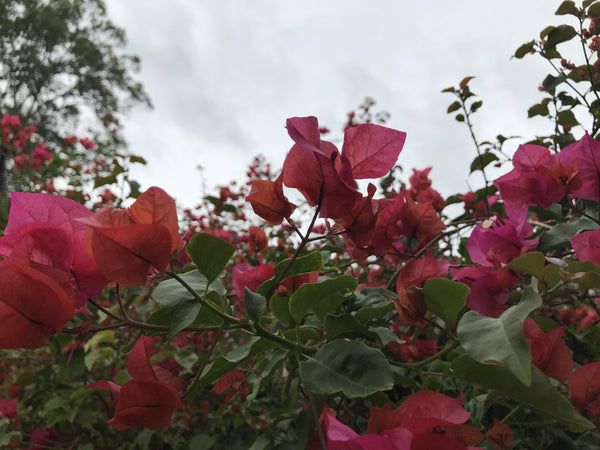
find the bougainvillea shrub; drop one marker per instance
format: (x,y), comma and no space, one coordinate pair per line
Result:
(305,309)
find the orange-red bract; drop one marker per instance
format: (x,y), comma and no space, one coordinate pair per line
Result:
(126,244)
(500,435)
(584,388)
(33,305)
(125,254)
(267,200)
(155,206)
(148,400)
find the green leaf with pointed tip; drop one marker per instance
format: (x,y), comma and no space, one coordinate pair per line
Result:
(501,339)
(303,264)
(349,367)
(524,49)
(561,33)
(540,395)
(476,105)
(445,298)
(223,364)
(538,109)
(453,107)
(531,263)
(481,162)
(567,117)
(386,335)
(254,304)
(322,298)
(180,306)
(567,7)
(210,254)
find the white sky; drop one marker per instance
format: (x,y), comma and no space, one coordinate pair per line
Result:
(224,76)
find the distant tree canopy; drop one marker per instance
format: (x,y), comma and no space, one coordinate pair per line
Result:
(62,67)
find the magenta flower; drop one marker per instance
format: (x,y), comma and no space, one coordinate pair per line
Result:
(498,241)
(538,178)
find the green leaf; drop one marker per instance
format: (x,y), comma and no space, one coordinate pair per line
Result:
(265,367)
(567,7)
(180,305)
(223,364)
(137,159)
(304,264)
(594,10)
(561,33)
(531,263)
(322,298)
(476,105)
(560,234)
(344,325)
(453,107)
(210,254)
(460,118)
(540,395)
(489,339)
(567,118)
(538,109)
(381,310)
(524,49)
(281,308)
(386,335)
(481,162)
(445,298)
(349,367)
(254,304)
(551,82)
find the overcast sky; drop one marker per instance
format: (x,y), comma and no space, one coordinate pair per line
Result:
(224,76)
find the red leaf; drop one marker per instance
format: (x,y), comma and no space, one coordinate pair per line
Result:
(317,170)
(585,157)
(230,379)
(33,306)
(155,206)
(584,388)
(268,202)
(247,276)
(500,435)
(27,209)
(587,246)
(138,361)
(145,403)
(372,150)
(548,351)
(125,254)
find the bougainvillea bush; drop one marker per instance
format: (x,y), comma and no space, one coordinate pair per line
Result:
(354,319)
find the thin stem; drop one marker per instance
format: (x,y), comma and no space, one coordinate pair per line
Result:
(480,157)
(121,305)
(511,413)
(224,316)
(303,243)
(104,310)
(202,366)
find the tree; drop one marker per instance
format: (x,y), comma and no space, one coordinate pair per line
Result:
(62,67)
